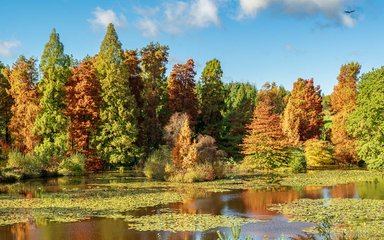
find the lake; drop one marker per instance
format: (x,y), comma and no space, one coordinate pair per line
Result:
(250,203)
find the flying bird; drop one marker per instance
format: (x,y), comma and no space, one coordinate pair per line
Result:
(349,11)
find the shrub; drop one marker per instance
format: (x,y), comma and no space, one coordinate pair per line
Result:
(73,165)
(156,164)
(297,161)
(28,164)
(318,153)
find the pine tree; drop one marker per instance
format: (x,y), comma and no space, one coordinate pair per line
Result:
(303,118)
(181,90)
(343,102)
(117,131)
(51,123)
(211,96)
(239,106)
(25,107)
(83,102)
(264,145)
(154,58)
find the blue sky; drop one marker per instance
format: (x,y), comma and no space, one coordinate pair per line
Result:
(256,40)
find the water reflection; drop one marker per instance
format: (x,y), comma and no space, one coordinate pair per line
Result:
(244,203)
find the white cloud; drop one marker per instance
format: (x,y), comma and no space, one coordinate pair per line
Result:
(249,8)
(6,47)
(204,13)
(148,27)
(103,17)
(177,17)
(332,10)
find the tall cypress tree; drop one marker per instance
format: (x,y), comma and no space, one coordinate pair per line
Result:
(25,108)
(211,96)
(51,124)
(182,90)
(117,131)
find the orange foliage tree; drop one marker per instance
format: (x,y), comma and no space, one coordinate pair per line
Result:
(181,90)
(25,107)
(184,153)
(303,117)
(83,102)
(264,145)
(343,102)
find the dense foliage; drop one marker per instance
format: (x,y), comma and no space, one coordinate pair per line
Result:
(343,102)
(117,132)
(367,120)
(118,108)
(51,123)
(303,114)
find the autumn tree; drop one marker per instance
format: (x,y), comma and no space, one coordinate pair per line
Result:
(25,107)
(83,102)
(343,102)
(184,153)
(6,102)
(240,99)
(117,131)
(211,98)
(51,123)
(303,118)
(366,122)
(154,58)
(264,145)
(181,90)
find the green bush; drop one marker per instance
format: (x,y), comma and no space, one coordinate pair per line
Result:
(318,153)
(26,164)
(73,165)
(297,161)
(198,173)
(155,166)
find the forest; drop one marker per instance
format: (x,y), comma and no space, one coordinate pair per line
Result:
(118,141)
(119,110)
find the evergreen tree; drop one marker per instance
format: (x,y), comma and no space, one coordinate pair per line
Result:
(343,102)
(211,96)
(25,107)
(6,102)
(154,58)
(366,122)
(136,84)
(303,118)
(51,124)
(239,105)
(264,145)
(182,90)
(117,131)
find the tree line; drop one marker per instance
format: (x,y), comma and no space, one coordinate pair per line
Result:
(118,107)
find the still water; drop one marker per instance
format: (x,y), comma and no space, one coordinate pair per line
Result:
(241,203)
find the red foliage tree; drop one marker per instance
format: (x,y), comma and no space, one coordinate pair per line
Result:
(182,90)
(83,108)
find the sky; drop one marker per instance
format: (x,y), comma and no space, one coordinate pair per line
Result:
(257,41)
